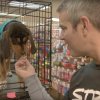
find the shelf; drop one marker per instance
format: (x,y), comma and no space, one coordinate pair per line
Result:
(45,79)
(61,79)
(56,38)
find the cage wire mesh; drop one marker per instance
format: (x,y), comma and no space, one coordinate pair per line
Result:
(37,16)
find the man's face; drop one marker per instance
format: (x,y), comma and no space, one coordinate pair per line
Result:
(74,38)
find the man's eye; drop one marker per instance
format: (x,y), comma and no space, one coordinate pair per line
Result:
(63,29)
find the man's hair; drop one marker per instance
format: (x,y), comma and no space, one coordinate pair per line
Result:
(77,8)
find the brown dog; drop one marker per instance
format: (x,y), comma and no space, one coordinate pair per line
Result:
(14,37)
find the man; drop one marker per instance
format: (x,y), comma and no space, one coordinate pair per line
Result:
(80,23)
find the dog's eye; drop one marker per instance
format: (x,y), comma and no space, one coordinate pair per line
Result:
(24,39)
(18,39)
(14,41)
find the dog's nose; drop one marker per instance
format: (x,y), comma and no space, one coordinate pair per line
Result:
(23,53)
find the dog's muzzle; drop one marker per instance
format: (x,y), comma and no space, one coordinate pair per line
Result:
(23,53)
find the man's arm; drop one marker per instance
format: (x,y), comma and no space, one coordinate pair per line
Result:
(35,89)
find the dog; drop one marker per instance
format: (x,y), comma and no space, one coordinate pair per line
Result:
(14,38)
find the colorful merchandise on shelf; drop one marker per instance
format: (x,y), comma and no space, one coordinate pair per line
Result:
(68,52)
(56,32)
(71,73)
(66,74)
(61,87)
(91,59)
(58,72)
(57,63)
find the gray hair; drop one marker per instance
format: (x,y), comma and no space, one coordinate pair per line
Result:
(78,8)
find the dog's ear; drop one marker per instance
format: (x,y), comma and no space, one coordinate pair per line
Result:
(5,44)
(0,48)
(33,49)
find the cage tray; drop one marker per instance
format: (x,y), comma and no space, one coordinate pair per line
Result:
(13,87)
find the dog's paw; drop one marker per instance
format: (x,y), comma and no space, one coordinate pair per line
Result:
(3,84)
(9,74)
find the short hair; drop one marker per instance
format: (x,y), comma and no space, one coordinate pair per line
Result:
(77,8)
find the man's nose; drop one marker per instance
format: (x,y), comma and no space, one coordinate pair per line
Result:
(61,37)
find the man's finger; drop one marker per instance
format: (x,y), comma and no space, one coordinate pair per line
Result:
(18,63)
(22,58)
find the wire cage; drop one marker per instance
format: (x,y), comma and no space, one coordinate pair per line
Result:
(37,16)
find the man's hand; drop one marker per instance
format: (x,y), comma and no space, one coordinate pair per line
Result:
(23,68)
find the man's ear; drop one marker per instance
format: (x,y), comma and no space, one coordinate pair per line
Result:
(85,24)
